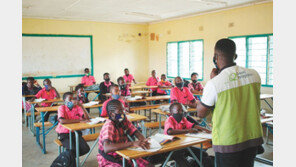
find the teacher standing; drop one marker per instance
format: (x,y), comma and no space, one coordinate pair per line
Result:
(233,96)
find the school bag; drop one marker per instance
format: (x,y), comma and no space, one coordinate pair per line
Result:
(65,159)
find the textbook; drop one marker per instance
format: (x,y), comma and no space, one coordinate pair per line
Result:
(154,146)
(200,135)
(91,103)
(163,139)
(96,120)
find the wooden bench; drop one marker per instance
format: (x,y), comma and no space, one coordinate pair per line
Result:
(39,124)
(87,138)
(28,114)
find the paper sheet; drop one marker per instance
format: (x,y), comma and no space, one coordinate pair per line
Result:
(39,100)
(129,117)
(134,98)
(154,146)
(96,120)
(200,135)
(91,103)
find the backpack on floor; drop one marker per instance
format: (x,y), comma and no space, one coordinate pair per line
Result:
(65,159)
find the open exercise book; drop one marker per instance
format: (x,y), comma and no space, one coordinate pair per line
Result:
(39,100)
(134,98)
(96,120)
(91,103)
(200,135)
(156,141)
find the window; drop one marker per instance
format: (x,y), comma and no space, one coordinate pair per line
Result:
(184,58)
(256,52)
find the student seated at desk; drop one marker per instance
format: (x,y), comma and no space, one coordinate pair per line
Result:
(195,86)
(124,88)
(114,136)
(87,79)
(105,87)
(115,94)
(71,112)
(30,88)
(48,93)
(152,81)
(81,96)
(128,77)
(163,83)
(178,124)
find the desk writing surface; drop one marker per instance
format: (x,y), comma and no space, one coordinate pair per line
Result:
(142,87)
(81,126)
(266,96)
(55,108)
(47,101)
(28,95)
(197,94)
(151,98)
(159,111)
(183,142)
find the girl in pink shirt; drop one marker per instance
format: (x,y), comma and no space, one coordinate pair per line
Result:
(124,88)
(71,112)
(178,124)
(195,86)
(115,94)
(48,93)
(163,84)
(128,77)
(152,81)
(81,95)
(87,80)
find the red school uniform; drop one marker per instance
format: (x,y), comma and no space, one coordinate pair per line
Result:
(182,96)
(152,82)
(66,113)
(171,123)
(110,132)
(195,86)
(163,83)
(48,95)
(88,80)
(104,110)
(128,79)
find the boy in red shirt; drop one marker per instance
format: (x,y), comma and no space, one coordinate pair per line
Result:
(115,94)
(71,112)
(128,77)
(178,124)
(87,79)
(163,84)
(48,93)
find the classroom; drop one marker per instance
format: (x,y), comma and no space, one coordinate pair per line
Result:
(147,83)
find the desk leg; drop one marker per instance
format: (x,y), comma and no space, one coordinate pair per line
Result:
(43,132)
(168,158)
(135,163)
(268,104)
(32,119)
(200,154)
(198,162)
(93,146)
(25,111)
(123,162)
(70,139)
(159,128)
(77,148)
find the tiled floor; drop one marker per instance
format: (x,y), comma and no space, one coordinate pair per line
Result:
(33,157)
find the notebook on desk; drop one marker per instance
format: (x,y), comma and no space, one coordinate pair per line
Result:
(200,135)
(91,103)
(96,120)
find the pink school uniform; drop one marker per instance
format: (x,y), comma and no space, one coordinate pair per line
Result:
(128,79)
(125,92)
(171,123)
(66,113)
(88,80)
(183,96)
(195,86)
(48,95)
(152,82)
(161,83)
(104,110)
(116,135)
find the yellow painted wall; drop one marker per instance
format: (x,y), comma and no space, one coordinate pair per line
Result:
(257,19)
(115,47)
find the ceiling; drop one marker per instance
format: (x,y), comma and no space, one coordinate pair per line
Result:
(124,11)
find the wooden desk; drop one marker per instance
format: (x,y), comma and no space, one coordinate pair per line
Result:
(81,126)
(265,120)
(46,101)
(55,108)
(28,95)
(183,142)
(152,98)
(142,87)
(265,97)
(134,93)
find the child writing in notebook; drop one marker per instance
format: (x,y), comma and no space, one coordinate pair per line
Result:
(115,94)
(71,112)
(195,86)
(124,88)
(163,83)
(114,136)
(128,77)
(48,93)
(178,124)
